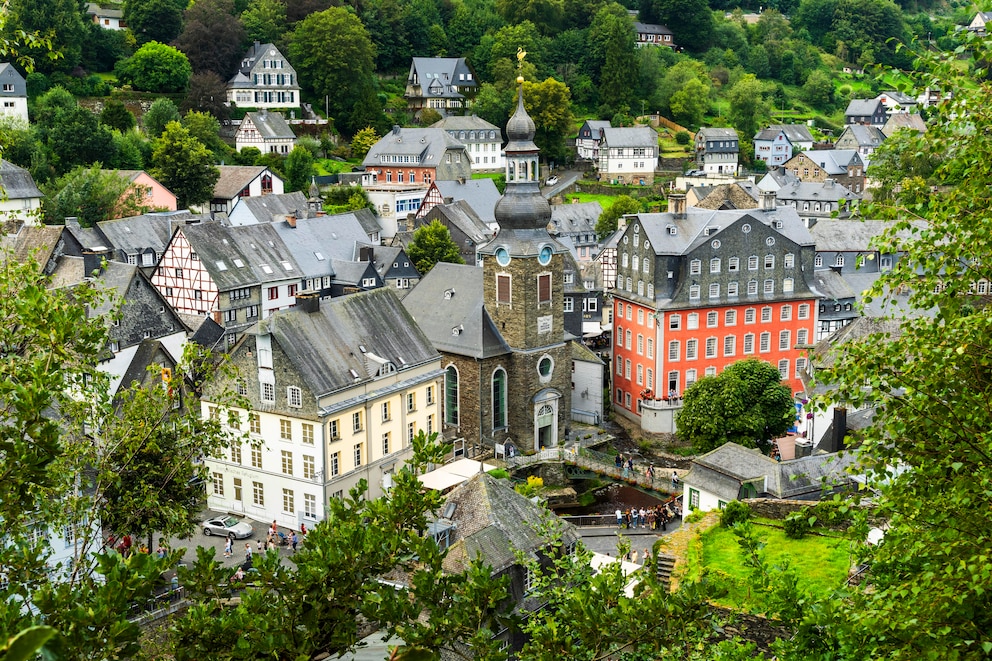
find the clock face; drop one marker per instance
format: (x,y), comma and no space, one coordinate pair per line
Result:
(545,256)
(502,257)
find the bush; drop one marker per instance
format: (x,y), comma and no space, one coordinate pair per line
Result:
(683,138)
(798,524)
(499,473)
(735,512)
(694,516)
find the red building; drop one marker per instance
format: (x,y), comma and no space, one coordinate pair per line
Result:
(698,289)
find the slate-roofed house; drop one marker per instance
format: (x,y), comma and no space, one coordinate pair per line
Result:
(838,305)
(483,140)
(417,155)
(902,120)
(738,195)
(108,18)
(338,389)
(394,267)
(13,92)
(897,102)
(628,154)
(466,228)
(866,111)
(20,199)
(717,150)
(590,134)
(156,196)
(733,472)
(269,132)
(238,181)
(862,138)
(351,276)
(141,240)
(46,244)
(578,223)
(587,385)
(777,143)
(271,208)
(979,22)
(816,201)
(265,79)
(653,34)
(446,84)
(481,194)
(845,166)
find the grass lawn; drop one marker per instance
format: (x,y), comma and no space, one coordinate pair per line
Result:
(821,562)
(330,166)
(605,201)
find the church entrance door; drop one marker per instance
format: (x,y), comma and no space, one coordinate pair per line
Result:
(545,426)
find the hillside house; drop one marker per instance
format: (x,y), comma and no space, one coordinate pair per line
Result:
(483,140)
(445,84)
(717,150)
(269,132)
(13,92)
(265,79)
(628,155)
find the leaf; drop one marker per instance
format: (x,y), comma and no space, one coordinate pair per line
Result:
(26,644)
(413,654)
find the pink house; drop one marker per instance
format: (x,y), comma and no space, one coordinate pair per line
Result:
(157,196)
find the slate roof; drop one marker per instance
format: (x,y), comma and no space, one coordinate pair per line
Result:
(16,182)
(463,216)
(738,195)
(366,219)
(596,125)
(234,178)
(904,120)
(630,136)
(864,135)
(466,123)
(427,144)
(577,218)
(832,285)
(214,246)
(271,125)
(32,241)
(651,28)
(323,346)
(795,132)
(316,244)
(833,161)
(827,350)
(447,70)
(582,353)
(151,230)
(711,133)
(848,235)
(819,191)
(350,272)
(439,314)
(11,76)
(207,333)
(723,470)
(494,521)
(862,107)
(480,194)
(268,208)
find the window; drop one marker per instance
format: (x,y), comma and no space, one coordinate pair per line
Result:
(310,506)
(640,317)
(729,345)
(693,499)
(673,350)
(286,430)
(430,396)
(712,318)
(309,466)
(766,314)
(690,349)
(804,311)
(749,316)
(273,293)
(307,433)
(334,429)
(752,263)
(783,368)
(800,367)
(356,421)
(569,304)
(711,347)
(769,261)
(287,462)
(334,464)
(752,287)
(690,378)
(256,455)
(640,375)
(385,411)
(715,265)
(258,494)
(748,343)
(218,480)
(839,261)
(627,336)
(626,369)
(785,314)
(730,318)
(784,340)
(715,290)
(640,344)
(269,393)
(451,395)
(788,285)
(769,286)
(789,260)
(544,288)
(236,453)
(385,443)
(619,336)
(732,288)
(695,267)
(818,261)
(674,321)
(734,264)
(765,342)
(411,402)
(650,348)
(499,399)
(503,293)
(802,336)
(694,292)
(358,454)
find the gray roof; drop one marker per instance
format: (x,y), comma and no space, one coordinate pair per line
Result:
(137,233)
(437,75)
(366,219)
(234,178)
(862,107)
(899,97)
(325,346)
(96,9)
(583,353)
(317,243)
(711,133)
(651,28)
(11,76)
(463,216)
(864,135)
(481,194)
(263,247)
(441,313)
(834,161)
(630,136)
(818,191)
(350,272)
(832,285)
(795,132)
(250,62)
(848,235)
(16,182)
(596,125)
(428,145)
(904,120)
(214,246)
(271,125)
(494,521)
(577,218)
(269,208)
(466,123)
(732,463)
(36,242)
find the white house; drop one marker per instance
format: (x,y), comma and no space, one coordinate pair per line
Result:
(13,92)
(265,79)
(717,150)
(628,155)
(20,198)
(587,141)
(587,385)
(266,131)
(239,181)
(483,140)
(108,18)
(339,387)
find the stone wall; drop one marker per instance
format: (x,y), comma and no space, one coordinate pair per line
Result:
(773,508)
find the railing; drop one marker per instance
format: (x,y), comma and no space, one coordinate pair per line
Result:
(158,606)
(597,462)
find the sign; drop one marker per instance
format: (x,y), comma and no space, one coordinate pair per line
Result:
(544,324)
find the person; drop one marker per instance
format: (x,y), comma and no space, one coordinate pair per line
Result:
(160,551)
(675,480)
(633,557)
(229,547)
(672,396)
(644,517)
(619,518)
(273,528)
(646,556)
(247,552)
(618,461)
(630,463)
(271,544)
(261,546)
(651,472)
(303,529)
(652,518)
(294,540)
(239,575)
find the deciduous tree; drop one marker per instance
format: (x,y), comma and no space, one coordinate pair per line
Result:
(92,195)
(432,243)
(299,169)
(609,218)
(62,22)
(612,46)
(549,104)
(155,67)
(363,142)
(184,165)
(154,20)
(116,115)
(161,112)
(264,20)
(212,37)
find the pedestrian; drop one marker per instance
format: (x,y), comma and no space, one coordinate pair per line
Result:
(160,551)
(239,575)
(644,518)
(229,547)
(303,530)
(646,556)
(651,472)
(619,518)
(294,540)
(652,518)
(630,463)
(618,461)
(271,544)
(261,546)
(633,557)
(675,479)
(248,552)
(273,528)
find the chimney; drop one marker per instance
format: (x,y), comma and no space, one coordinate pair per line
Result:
(835,442)
(676,204)
(291,219)
(93,261)
(828,183)
(396,129)
(365,254)
(308,301)
(622,223)
(72,222)
(768,200)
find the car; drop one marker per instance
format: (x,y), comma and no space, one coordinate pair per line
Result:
(551,181)
(696,173)
(227,526)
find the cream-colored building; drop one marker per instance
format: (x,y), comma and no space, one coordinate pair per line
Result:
(339,387)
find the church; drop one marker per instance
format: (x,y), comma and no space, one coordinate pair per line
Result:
(500,326)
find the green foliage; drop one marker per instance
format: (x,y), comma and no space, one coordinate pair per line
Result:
(154,20)
(798,524)
(299,169)
(500,473)
(734,512)
(264,20)
(683,137)
(161,112)
(532,487)
(363,141)
(691,21)
(155,67)
(212,37)
(117,116)
(748,107)
(546,15)
(92,195)
(429,116)
(27,643)
(612,47)
(102,48)
(206,93)
(432,243)
(50,33)
(609,218)
(184,165)
(747,404)
(205,128)
(549,104)
(74,136)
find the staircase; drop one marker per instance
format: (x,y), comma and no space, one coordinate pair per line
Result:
(664,566)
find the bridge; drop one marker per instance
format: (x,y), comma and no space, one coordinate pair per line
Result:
(583,463)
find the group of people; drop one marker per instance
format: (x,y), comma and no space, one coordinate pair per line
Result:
(655,518)
(126,545)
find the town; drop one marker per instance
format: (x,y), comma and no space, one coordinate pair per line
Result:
(538,330)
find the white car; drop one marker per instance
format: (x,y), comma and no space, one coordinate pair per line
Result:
(551,181)
(227,526)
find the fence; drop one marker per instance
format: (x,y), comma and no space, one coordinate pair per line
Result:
(600,463)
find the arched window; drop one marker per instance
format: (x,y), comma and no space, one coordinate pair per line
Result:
(499,398)
(451,395)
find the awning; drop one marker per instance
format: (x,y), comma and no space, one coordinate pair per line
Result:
(453,474)
(591,329)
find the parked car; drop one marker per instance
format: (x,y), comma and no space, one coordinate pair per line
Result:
(227,526)
(551,181)
(696,173)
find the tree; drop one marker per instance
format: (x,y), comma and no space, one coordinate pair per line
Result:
(92,195)
(334,57)
(102,48)
(154,20)
(429,116)
(747,404)
(676,78)
(299,169)
(161,112)
(818,90)
(690,21)
(212,37)
(264,20)
(76,137)
(207,93)
(61,22)
(546,15)
(548,103)
(432,243)
(116,116)
(608,219)
(184,165)
(748,108)
(688,105)
(612,44)
(363,141)
(155,67)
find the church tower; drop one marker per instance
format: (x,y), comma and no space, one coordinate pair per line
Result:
(523,285)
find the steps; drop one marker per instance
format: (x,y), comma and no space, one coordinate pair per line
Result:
(664,566)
